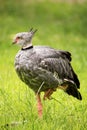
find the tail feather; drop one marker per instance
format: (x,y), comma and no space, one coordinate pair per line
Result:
(76,80)
(71,89)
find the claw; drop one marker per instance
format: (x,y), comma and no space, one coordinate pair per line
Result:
(48,94)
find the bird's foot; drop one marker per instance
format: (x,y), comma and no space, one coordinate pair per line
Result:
(48,94)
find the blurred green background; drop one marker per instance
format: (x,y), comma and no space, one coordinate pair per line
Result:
(62,25)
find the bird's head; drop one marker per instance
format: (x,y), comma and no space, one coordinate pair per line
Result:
(24,39)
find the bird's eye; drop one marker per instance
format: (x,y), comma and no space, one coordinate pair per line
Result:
(18,37)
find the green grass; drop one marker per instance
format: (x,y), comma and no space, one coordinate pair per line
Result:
(62,26)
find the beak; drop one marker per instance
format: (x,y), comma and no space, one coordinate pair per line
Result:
(14,42)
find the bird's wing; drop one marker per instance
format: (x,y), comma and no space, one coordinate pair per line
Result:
(65,54)
(58,65)
(62,67)
(57,61)
(48,52)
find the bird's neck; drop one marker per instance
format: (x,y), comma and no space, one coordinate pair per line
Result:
(27,46)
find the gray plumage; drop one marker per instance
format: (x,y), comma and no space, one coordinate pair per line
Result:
(43,68)
(42,65)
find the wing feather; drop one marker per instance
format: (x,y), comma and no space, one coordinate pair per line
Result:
(62,67)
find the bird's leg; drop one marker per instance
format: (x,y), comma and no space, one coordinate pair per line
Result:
(48,93)
(39,105)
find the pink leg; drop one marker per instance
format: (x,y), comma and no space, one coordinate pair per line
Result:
(39,105)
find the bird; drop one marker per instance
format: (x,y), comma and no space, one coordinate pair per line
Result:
(44,69)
